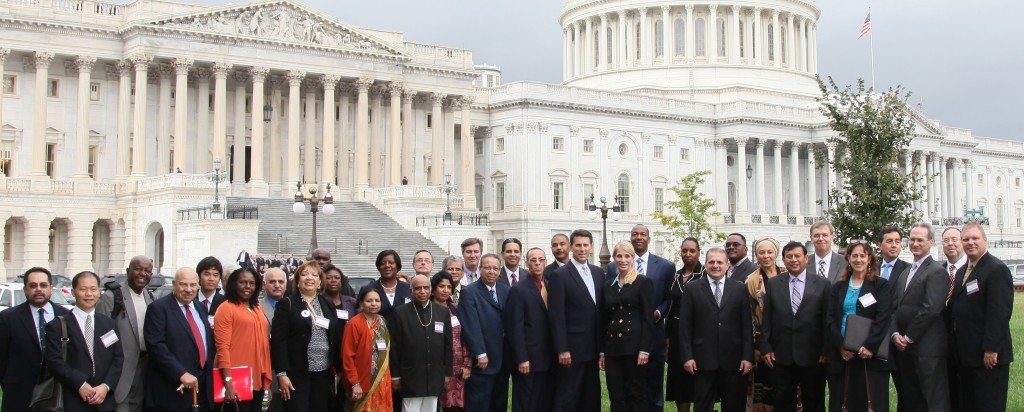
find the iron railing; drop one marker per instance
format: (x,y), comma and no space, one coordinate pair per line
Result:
(230,212)
(462,219)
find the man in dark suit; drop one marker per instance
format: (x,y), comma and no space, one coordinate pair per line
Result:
(181,343)
(953,249)
(472,249)
(90,371)
(981,307)
(824,263)
(23,337)
(421,356)
(529,338)
(511,255)
(891,245)
(739,265)
(274,282)
(918,332)
(715,335)
(574,302)
(210,273)
(482,329)
(794,332)
(661,273)
(127,304)
(560,251)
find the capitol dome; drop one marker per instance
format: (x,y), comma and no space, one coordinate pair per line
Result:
(667,48)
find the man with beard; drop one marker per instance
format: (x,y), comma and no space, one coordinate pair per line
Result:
(126,303)
(421,349)
(736,251)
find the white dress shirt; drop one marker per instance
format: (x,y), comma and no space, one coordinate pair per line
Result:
(958,264)
(48,315)
(80,317)
(817,263)
(913,271)
(588,278)
(140,314)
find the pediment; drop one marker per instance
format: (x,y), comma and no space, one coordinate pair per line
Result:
(276,21)
(924,125)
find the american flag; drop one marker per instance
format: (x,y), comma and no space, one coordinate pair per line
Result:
(865,28)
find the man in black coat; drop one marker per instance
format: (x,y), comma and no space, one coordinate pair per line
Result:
(529,338)
(739,265)
(794,331)
(421,349)
(23,337)
(716,338)
(574,302)
(560,251)
(980,312)
(182,349)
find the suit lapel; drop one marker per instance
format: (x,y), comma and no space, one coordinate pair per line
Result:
(917,275)
(76,333)
(129,309)
(808,292)
(26,317)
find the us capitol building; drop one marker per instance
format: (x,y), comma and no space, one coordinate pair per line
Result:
(119,122)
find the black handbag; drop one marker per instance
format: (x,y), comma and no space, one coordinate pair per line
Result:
(48,395)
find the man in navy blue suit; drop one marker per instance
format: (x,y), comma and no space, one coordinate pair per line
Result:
(529,339)
(482,329)
(574,314)
(661,272)
(180,341)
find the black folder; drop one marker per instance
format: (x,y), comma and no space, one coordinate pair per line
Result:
(857,330)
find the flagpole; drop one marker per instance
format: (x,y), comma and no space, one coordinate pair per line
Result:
(871,39)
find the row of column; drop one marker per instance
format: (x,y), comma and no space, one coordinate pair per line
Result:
(941,179)
(586,47)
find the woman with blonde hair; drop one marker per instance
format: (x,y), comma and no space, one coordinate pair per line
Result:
(628,308)
(765,250)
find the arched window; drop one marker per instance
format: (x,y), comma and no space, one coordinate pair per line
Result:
(782,42)
(622,194)
(610,40)
(771,43)
(680,35)
(743,50)
(659,39)
(721,37)
(638,40)
(700,37)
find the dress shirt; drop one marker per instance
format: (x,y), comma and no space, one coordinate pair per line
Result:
(271,301)
(202,299)
(80,317)
(470,276)
(510,272)
(140,314)
(588,278)
(195,315)
(913,271)
(828,263)
(887,274)
(642,261)
(800,284)
(47,316)
(959,263)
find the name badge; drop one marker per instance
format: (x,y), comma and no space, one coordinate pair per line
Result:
(321,322)
(305,313)
(455,321)
(210,319)
(341,313)
(108,339)
(867,300)
(972,287)
(407,300)
(381,345)
(438,327)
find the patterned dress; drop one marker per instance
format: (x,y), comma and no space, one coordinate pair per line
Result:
(453,390)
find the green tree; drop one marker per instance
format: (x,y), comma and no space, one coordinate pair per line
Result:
(874,128)
(691,213)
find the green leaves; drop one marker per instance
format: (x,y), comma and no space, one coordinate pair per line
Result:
(690,213)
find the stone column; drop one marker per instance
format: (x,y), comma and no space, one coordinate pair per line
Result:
(776,41)
(812,184)
(712,36)
(163,120)
(621,55)
(588,47)
(124,118)
(202,149)
(762,206)
(943,189)
(42,65)
(437,141)
(813,49)
(395,136)
(734,35)
(84,65)
(924,182)
(79,245)
(376,140)
(309,132)
(722,177)
(803,45)
(971,203)
(3,60)
(646,43)
(181,66)
(362,148)
(345,143)
(666,36)
(256,155)
(578,49)
(777,194)
(408,157)
(758,42)
(294,127)
(830,153)
(955,192)
(908,170)
(448,161)
(794,181)
(602,44)
(467,182)
(790,42)
(742,212)
(238,143)
(628,37)
(220,112)
(565,53)
(328,175)
(141,63)
(276,147)
(690,37)
(934,199)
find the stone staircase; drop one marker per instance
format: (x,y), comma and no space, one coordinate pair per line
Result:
(354,234)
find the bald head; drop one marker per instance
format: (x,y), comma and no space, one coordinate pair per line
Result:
(420,288)
(274,283)
(140,270)
(186,285)
(321,256)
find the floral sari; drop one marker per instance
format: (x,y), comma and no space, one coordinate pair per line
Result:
(378,396)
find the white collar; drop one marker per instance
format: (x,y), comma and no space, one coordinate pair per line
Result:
(960,262)
(712,281)
(827,258)
(802,276)
(578,264)
(646,256)
(892,263)
(918,263)
(48,307)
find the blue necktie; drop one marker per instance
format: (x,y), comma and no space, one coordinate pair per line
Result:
(42,329)
(886,270)
(494,295)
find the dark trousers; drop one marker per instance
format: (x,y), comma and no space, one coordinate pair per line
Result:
(897,381)
(856,386)
(984,389)
(810,379)
(727,385)
(531,392)
(655,370)
(925,382)
(627,389)
(486,392)
(578,387)
(312,392)
(255,405)
(17,396)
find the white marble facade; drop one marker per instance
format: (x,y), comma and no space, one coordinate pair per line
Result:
(651,92)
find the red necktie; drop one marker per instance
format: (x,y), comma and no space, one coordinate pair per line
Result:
(200,345)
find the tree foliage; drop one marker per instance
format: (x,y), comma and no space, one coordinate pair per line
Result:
(874,128)
(691,213)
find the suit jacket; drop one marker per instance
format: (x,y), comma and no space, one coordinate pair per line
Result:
(215,301)
(21,358)
(77,368)
(799,339)
(981,319)
(897,268)
(403,295)
(675,297)
(716,337)
(835,267)
(421,356)
(575,318)
(628,317)
(919,307)
(268,309)
(173,352)
(482,329)
(661,272)
(128,332)
(880,313)
(293,328)
(526,327)
(504,278)
(742,270)
(548,270)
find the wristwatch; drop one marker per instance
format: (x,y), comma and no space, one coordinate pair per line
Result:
(227,379)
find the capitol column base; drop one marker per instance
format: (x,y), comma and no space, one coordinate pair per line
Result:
(259,188)
(469,201)
(742,217)
(362,192)
(795,220)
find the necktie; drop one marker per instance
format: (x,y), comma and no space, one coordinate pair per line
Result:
(455,295)
(910,276)
(796,295)
(821,268)
(718,293)
(89,336)
(544,293)
(589,281)
(640,265)
(198,337)
(515,279)
(494,295)
(886,270)
(728,273)
(970,270)
(952,281)
(42,329)
(207,304)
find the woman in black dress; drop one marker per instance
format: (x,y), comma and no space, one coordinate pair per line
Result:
(628,307)
(678,383)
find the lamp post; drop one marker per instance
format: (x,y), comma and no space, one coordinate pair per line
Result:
(216,177)
(605,255)
(314,206)
(448,188)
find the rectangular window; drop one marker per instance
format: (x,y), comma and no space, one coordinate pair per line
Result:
(11,84)
(94,91)
(478,148)
(430,121)
(51,158)
(499,145)
(499,196)
(588,192)
(588,146)
(6,157)
(479,197)
(53,88)
(684,154)
(248,103)
(558,192)
(94,155)
(659,199)
(558,143)
(659,153)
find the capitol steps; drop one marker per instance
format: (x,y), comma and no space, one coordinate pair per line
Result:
(354,234)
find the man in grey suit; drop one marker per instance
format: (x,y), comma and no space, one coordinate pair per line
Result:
(511,255)
(918,332)
(824,262)
(126,303)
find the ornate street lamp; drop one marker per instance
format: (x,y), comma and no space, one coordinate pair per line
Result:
(448,188)
(314,206)
(216,176)
(604,210)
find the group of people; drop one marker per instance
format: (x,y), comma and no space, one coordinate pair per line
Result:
(745,334)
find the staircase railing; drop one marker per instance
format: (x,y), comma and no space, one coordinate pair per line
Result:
(462,219)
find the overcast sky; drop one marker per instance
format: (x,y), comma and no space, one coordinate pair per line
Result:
(963,60)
